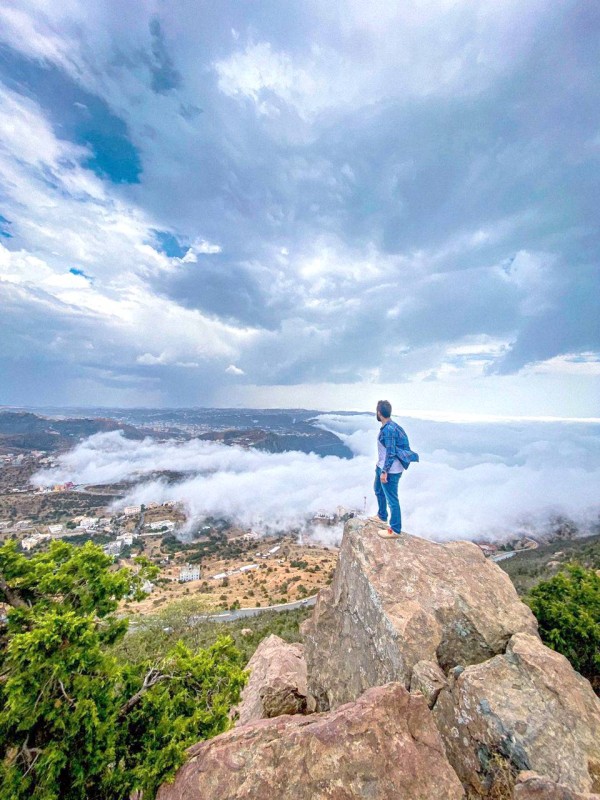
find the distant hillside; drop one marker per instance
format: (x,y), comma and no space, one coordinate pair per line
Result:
(302,437)
(22,430)
(529,567)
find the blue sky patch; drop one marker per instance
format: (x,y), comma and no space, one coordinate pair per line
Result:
(4,223)
(76,115)
(75,271)
(168,244)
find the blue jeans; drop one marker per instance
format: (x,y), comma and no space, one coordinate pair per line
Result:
(387,495)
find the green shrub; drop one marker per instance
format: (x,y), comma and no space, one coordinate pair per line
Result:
(567,608)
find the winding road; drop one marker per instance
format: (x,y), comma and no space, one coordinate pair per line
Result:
(238,613)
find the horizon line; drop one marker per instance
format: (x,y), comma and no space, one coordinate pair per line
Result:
(433,416)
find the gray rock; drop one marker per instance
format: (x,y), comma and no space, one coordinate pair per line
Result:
(527,707)
(531,786)
(277,683)
(383,746)
(428,679)
(392,604)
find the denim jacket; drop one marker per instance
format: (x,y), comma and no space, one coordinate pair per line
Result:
(393,437)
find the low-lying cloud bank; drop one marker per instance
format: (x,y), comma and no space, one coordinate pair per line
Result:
(474,480)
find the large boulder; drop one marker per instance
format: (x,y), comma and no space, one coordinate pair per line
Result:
(277,683)
(527,707)
(531,786)
(382,746)
(394,603)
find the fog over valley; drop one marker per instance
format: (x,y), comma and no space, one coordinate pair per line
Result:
(475,480)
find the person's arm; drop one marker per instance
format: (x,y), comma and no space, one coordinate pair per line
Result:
(389,441)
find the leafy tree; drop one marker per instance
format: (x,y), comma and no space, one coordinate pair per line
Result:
(567,608)
(75,720)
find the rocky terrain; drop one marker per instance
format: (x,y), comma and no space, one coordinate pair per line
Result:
(428,680)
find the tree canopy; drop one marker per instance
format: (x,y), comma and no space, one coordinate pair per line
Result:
(75,720)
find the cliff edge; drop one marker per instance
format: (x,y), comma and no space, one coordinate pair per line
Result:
(429,681)
(395,603)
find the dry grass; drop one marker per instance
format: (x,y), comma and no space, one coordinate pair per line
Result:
(502,777)
(275,581)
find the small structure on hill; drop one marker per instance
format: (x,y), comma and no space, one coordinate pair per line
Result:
(189,573)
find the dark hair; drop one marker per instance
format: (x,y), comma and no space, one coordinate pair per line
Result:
(385,408)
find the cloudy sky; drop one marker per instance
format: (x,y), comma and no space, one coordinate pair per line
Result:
(301,203)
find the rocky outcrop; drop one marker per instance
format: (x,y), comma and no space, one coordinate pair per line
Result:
(531,786)
(428,679)
(440,620)
(382,746)
(530,708)
(277,683)
(394,603)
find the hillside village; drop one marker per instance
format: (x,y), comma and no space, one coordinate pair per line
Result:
(221,566)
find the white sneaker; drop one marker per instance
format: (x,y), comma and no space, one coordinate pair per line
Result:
(390,534)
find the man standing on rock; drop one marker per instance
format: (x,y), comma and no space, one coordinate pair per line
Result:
(395,456)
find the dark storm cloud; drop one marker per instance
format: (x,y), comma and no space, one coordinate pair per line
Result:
(452,180)
(569,325)
(232,291)
(164,74)
(413,174)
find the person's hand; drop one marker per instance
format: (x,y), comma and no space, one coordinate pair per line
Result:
(384,477)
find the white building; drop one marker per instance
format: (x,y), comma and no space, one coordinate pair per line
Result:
(55,529)
(125,538)
(113,548)
(274,549)
(161,523)
(129,510)
(342,511)
(219,576)
(324,518)
(23,523)
(189,573)
(248,567)
(32,541)
(88,522)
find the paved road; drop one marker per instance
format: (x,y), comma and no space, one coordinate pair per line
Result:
(504,556)
(509,554)
(139,525)
(239,613)
(230,616)
(82,489)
